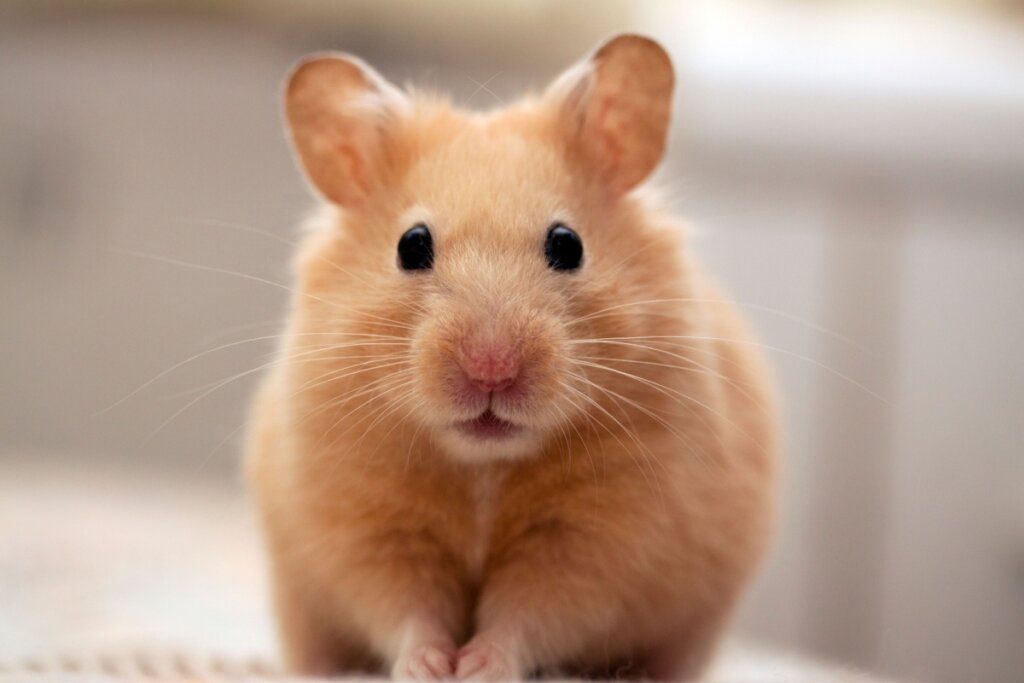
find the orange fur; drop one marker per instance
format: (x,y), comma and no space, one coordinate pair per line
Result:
(615,531)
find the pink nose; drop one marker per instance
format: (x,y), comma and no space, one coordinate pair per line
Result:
(490,367)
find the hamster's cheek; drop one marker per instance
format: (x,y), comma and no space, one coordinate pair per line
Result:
(438,379)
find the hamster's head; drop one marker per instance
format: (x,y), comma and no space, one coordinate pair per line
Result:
(483,251)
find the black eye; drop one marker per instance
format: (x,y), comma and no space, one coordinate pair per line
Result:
(564,248)
(416,249)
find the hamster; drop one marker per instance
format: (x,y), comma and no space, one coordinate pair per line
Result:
(513,428)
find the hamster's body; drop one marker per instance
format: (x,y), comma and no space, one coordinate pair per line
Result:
(609,521)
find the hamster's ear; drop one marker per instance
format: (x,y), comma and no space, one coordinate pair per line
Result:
(615,108)
(339,110)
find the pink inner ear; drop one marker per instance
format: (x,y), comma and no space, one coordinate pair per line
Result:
(610,151)
(348,156)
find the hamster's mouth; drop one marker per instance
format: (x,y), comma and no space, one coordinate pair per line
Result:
(488,426)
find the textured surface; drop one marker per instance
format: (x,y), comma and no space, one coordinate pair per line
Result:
(108,575)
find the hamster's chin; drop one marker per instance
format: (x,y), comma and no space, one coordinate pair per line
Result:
(487,437)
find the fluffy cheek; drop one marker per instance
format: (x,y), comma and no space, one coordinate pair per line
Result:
(437,377)
(540,403)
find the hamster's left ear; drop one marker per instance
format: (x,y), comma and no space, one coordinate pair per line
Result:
(615,107)
(340,113)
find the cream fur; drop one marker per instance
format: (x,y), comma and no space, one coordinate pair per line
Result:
(615,533)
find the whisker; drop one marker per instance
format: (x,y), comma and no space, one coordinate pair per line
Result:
(378,412)
(261,280)
(412,440)
(387,382)
(400,402)
(617,266)
(644,450)
(326,405)
(565,441)
(700,369)
(639,406)
(748,342)
(572,425)
(345,371)
(667,391)
(276,359)
(755,307)
(222,347)
(218,386)
(283,240)
(483,86)
(682,437)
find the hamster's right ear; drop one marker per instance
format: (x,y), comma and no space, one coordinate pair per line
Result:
(339,111)
(615,108)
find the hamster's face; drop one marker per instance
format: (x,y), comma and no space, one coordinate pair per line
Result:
(513,249)
(487,253)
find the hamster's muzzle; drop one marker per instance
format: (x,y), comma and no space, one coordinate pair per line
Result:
(491,374)
(487,367)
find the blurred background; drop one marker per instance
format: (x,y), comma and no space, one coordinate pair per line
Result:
(855,171)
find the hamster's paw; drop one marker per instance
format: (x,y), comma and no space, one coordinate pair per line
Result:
(425,662)
(482,660)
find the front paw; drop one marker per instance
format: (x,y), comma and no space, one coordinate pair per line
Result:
(482,660)
(425,662)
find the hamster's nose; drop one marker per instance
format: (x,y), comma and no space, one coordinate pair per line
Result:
(490,367)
